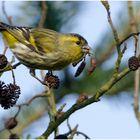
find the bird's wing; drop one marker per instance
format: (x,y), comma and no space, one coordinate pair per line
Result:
(45,39)
(39,40)
(22,34)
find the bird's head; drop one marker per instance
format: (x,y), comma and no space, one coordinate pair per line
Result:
(74,46)
(75,42)
(81,42)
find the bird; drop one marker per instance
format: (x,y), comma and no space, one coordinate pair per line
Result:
(44,49)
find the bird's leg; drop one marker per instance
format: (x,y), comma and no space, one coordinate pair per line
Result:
(32,72)
(16,65)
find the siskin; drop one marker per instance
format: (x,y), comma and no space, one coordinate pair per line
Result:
(40,48)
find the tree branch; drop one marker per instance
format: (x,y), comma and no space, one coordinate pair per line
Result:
(129,36)
(77,106)
(134,28)
(116,37)
(43,14)
(9,18)
(44,94)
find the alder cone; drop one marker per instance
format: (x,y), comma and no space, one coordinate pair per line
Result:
(133,63)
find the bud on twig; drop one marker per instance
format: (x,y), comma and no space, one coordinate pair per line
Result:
(11,123)
(82,98)
(60,114)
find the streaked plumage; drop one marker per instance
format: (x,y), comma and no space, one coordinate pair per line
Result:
(40,48)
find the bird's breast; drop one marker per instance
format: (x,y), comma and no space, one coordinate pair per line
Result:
(49,61)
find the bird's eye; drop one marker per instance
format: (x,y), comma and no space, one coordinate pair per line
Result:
(78,42)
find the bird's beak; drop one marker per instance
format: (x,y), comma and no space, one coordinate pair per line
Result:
(86,49)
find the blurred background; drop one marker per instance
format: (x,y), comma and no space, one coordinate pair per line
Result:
(113,116)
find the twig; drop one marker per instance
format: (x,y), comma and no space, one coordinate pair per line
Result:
(124,48)
(136,45)
(52,108)
(68,125)
(129,36)
(43,13)
(9,67)
(19,108)
(81,133)
(9,19)
(133,23)
(134,28)
(119,58)
(116,37)
(13,76)
(136,84)
(29,119)
(73,132)
(109,50)
(16,65)
(12,60)
(61,108)
(44,94)
(5,49)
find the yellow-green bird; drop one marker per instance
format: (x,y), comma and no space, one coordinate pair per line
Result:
(40,48)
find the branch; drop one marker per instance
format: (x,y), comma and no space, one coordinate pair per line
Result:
(129,36)
(53,125)
(136,85)
(52,111)
(44,94)
(9,18)
(134,28)
(81,133)
(43,14)
(119,58)
(116,37)
(28,120)
(75,131)
(133,23)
